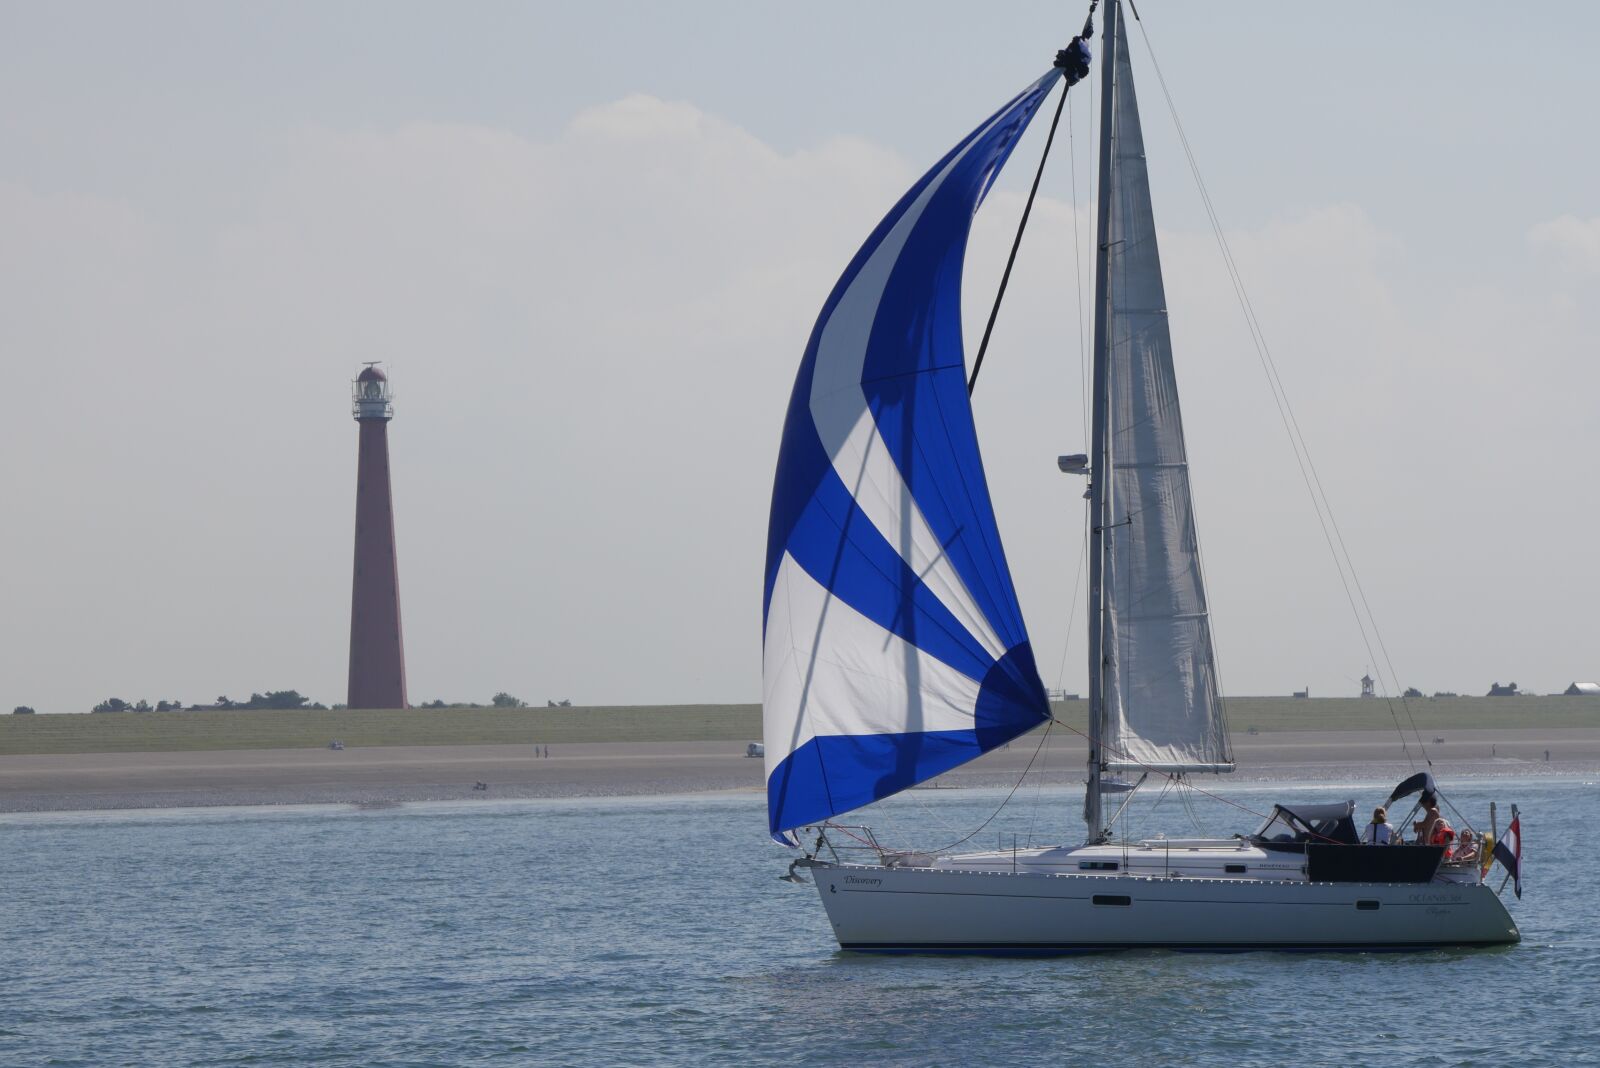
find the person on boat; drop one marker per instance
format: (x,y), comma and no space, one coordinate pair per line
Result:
(1467,847)
(1379,832)
(1430,818)
(1445,835)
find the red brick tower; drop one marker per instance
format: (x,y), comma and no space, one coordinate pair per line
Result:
(377,655)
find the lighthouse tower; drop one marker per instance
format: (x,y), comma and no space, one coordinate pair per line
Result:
(377,655)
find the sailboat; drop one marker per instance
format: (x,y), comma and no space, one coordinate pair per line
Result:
(894,645)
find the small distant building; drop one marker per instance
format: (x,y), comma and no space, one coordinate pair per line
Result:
(1303,694)
(1508,690)
(1582,689)
(1367,684)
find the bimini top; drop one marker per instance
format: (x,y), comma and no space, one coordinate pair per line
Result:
(1334,822)
(894,648)
(1421,782)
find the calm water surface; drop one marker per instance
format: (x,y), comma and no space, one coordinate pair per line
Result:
(656,932)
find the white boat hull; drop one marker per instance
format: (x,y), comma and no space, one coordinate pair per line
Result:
(903,909)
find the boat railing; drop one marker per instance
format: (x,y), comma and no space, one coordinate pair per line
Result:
(846,843)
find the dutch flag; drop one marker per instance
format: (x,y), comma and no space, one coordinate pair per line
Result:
(1508,851)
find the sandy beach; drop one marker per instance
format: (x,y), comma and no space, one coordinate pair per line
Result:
(67,782)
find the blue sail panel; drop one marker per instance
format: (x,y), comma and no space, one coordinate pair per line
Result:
(894,647)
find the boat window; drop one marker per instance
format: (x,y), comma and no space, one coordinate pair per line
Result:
(1236,869)
(1112,899)
(1097,865)
(1368,905)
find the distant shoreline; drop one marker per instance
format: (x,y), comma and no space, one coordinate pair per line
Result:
(386,774)
(221,731)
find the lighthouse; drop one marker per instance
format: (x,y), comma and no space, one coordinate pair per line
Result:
(377,654)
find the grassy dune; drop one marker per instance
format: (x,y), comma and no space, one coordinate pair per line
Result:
(131,732)
(1429,713)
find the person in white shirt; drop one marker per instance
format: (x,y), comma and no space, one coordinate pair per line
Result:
(1378,832)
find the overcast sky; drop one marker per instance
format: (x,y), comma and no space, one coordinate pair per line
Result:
(589,241)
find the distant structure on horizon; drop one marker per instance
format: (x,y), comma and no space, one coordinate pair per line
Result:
(377,653)
(1367,683)
(1582,689)
(1509,690)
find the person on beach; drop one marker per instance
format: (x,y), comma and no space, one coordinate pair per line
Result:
(1379,832)
(1429,821)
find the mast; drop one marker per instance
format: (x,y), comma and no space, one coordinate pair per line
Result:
(1100,441)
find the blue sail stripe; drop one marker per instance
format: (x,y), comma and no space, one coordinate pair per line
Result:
(800,791)
(793,488)
(867,573)
(947,492)
(925,288)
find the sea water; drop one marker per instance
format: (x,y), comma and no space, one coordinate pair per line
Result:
(658,932)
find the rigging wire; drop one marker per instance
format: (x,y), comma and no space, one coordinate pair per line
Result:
(1016,242)
(1077,582)
(1007,799)
(1147,814)
(1077,266)
(1038,791)
(1302,453)
(1114,751)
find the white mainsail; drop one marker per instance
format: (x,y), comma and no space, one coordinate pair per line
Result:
(1161,707)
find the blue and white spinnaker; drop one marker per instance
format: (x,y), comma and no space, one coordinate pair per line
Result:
(894,646)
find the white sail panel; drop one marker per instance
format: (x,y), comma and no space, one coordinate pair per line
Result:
(1161,696)
(852,675)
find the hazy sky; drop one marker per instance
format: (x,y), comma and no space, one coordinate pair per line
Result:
(590,239)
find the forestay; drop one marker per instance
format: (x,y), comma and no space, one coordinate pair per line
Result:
(1162,705)
(894,645)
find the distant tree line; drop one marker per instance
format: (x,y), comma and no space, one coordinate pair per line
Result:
(281,700)
(499,700)
(272,699)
